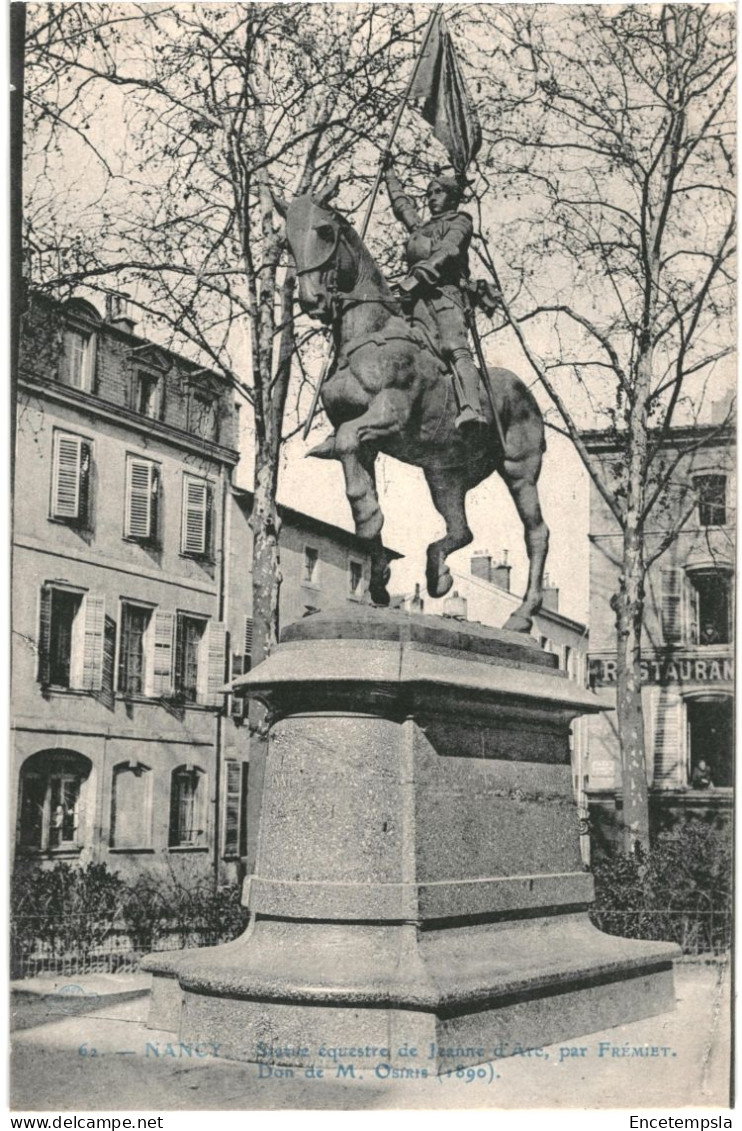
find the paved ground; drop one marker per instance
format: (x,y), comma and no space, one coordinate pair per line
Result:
(67,1060)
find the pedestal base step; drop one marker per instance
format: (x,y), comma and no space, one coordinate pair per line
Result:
(287,990)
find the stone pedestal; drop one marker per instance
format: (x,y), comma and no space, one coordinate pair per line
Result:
(418,879)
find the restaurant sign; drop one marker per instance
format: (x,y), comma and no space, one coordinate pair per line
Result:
(666,670)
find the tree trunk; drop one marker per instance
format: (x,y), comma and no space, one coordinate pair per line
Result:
(629,615)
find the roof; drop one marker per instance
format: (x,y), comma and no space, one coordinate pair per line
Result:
(83,305)
(690,435)
(315,525)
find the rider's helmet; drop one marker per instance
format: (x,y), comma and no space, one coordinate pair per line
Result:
(451,185)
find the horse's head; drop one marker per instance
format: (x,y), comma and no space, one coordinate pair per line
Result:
(324,265)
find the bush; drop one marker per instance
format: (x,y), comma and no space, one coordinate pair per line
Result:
(66,913)
(65,909)
(681,890)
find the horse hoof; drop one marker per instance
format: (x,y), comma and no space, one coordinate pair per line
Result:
(516,622)
(439,585)
(325,450)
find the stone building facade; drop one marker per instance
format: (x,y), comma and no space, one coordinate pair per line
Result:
(687,641)
(131,575)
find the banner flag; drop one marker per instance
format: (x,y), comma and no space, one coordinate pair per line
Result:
(445,103)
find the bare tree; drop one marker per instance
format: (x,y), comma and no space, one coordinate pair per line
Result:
(190,116)
(609,147)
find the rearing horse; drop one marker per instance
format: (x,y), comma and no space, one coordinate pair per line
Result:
(389,391)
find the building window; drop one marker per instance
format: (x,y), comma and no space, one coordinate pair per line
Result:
(131,806)
(189,637)
(205,417)
(235,809)
(355,578)
(567,664)
(242,661)
(51,788)
(142,516)
(711,607)
(200,649)
(71,466)
(135,622)
(78,360)
(311,566)
(543,643)
(712,499)
(149,395)
(198,517)
(73,639)
(187,808)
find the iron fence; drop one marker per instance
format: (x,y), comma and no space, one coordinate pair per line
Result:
(697,932)
(82,945)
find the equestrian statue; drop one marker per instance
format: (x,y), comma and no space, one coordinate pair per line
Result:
(390,387)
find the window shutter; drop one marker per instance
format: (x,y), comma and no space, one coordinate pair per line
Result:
(195,516)
(209,531)
(214,652)
(83,511)
(672,605)
(247,662)
(154,512)
(161,664)
(93,651)
(668,745)
(45,633)
(89,374)
(66,477)
(232,809)
(139,498)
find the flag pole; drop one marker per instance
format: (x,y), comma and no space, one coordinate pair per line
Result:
(374,192)
(398,118)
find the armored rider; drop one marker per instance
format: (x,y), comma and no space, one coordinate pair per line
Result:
(438,258)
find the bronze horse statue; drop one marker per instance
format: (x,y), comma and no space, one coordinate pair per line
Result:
(389,391)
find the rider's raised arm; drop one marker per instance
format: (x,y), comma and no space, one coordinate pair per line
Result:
(402,206)
(451,253)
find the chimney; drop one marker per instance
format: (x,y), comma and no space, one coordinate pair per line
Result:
(481,564)
(455,607)
(500,574)
(119,311)
(417,604)
(551,595)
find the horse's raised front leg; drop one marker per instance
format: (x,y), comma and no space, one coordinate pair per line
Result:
(448,491)
(386,415)
(521,477)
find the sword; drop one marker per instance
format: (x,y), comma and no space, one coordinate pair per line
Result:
(483,366)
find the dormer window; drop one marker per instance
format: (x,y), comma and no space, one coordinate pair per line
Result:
(78,368)
(205,416)
(79,339)
(149,395)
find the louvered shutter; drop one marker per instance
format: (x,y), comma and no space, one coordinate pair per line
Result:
(672,605)
(247,661)
(213,654)
(232,809)
(45,632)
(195,516)
(139,498)
(161,664)
(66,477)
(154,503)
(94,641)
(668,739)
